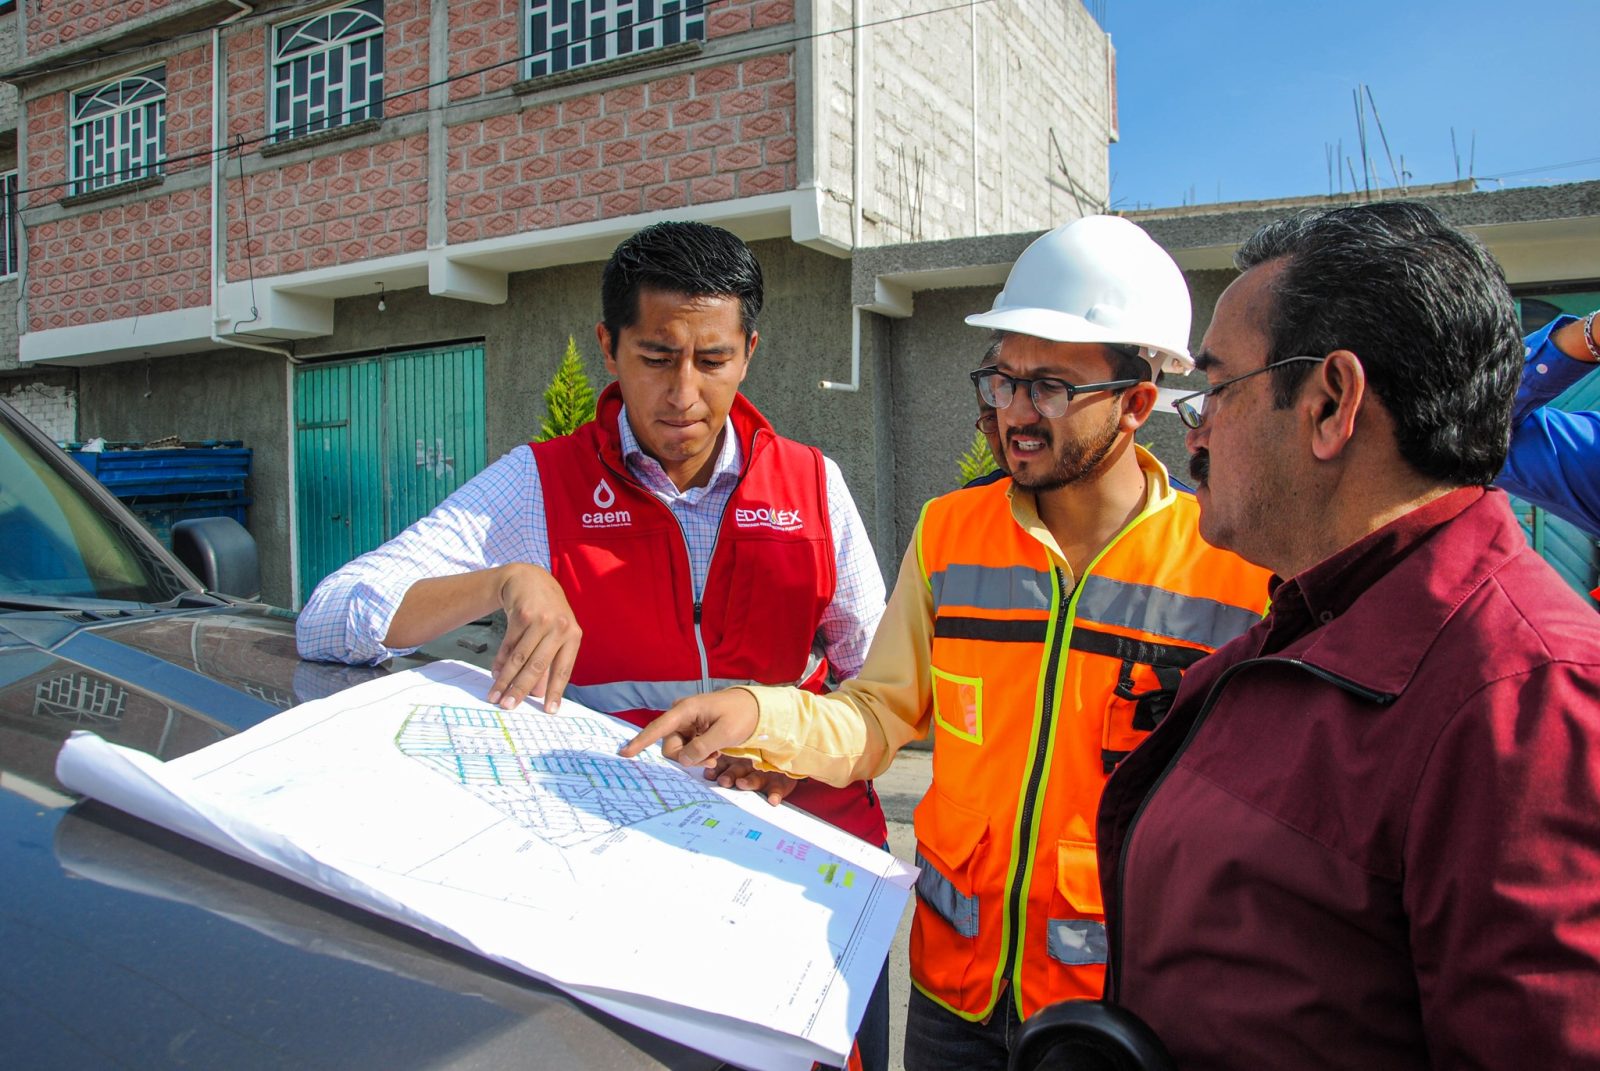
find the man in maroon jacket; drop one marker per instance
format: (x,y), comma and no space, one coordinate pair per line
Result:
(1368,833)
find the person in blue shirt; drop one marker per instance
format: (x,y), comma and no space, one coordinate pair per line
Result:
(1554,461)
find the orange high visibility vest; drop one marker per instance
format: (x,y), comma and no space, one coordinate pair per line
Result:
(1037,693)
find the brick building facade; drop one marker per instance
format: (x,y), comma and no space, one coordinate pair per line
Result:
(214,195)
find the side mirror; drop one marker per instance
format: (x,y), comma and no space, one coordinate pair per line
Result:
(1088,1035)
(221,553)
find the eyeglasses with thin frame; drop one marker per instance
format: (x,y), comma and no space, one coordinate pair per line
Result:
(988,422)
(1050,396)
(1194,415)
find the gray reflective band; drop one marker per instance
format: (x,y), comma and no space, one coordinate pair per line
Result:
(1143,608)
(1009,587)
(1076,942)
(948,902)
(642,695)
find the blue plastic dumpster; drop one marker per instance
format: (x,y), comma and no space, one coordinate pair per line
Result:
(167,485)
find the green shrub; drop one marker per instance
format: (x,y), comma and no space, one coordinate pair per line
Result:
(977,461)
(569,399)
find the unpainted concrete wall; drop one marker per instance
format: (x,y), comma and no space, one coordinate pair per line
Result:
(230,394)
(1034,122)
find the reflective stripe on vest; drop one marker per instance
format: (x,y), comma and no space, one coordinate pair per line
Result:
(644,695)
(937,891)
(613,696)
(1181,617)
(1077,942)
(990,587)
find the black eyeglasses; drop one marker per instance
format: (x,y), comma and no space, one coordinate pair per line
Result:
(1194,415)
(1050,396)
(988,422)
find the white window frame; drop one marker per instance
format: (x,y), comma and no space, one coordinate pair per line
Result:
(118,131)
(612,29)
(9,260)
(338,53)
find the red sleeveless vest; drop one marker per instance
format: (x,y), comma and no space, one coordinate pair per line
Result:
(621,558)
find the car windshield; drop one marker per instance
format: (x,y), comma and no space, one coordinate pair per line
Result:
(58,546)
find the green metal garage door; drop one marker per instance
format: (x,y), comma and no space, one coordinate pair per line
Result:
(378,443)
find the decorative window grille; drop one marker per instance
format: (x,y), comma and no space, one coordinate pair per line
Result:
(80,700)
(8,226)
(119,131)
(564,34)
(327,70)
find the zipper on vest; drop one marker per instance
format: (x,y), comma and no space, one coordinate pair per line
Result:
(683,535)
(1114,920)
(1036,770)
(700,645)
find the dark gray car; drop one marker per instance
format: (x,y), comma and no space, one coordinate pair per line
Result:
(123,945)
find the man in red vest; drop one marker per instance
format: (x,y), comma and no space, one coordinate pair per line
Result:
(672,546)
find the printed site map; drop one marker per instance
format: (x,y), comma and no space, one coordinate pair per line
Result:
(523,836)
(554,778)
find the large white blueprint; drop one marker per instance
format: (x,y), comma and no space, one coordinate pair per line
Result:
(753,933)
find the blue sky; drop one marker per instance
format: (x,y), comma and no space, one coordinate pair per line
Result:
(1240,97)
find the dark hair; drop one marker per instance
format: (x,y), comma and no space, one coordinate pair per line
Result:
(1425,308)
(694,259)
(1127,364)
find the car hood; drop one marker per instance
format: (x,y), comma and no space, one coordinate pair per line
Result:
(164,682)
(127,945)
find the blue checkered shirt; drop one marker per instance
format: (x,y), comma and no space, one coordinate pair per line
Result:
(498,517)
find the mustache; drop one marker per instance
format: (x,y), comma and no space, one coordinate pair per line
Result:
(1031,431)
(1200,467)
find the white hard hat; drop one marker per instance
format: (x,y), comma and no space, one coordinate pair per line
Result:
(1098,279)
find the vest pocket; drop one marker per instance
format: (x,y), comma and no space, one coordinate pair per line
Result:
(951,843)
(1076,934)
(1139,701)
(958,705)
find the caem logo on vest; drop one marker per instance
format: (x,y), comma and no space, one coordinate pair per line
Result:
(605,498)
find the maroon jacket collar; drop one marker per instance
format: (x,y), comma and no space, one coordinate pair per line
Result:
(1370,613)
(746,421)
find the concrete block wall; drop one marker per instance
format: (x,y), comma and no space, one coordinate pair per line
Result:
(486,36)
(52,407)
(1043,67)
(693,136)
(10,49)
(337,208)
(8,325)
(122,260)
(54,23)
(139,401)
(335,204)
(715,133)
(126,256)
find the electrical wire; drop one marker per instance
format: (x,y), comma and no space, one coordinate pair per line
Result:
(241,143)
(1546,167)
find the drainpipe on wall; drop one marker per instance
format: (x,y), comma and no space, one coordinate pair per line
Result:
(219,270)
(857,183)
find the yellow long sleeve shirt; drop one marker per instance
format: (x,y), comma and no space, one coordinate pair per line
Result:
(853,733)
